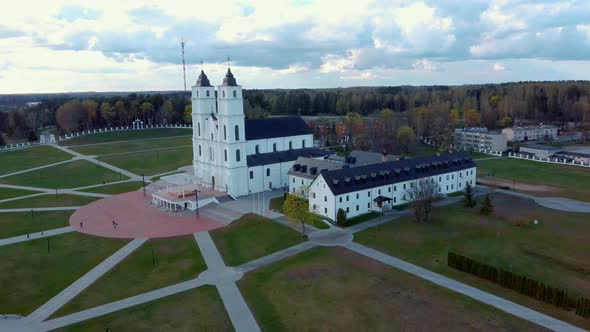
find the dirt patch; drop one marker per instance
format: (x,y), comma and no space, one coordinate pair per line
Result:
(518,186)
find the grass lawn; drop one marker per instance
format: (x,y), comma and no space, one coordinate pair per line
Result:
(419,149)
(11,193)
(251,237)
(568,181)
(117,188)
(14,161)
(48,200)
(479,155)
(277,203)
(126,135)
(74,174)
(152,162)
(122,147)
(333,289)
(14,224)
(177,259)
(363,218)
(199,309)
(554,252)
(30,276)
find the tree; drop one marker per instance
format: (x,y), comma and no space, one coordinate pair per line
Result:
(341,218)
(90,107)
(354,126)
(421,195)
(405,137)
(107,112)
(471,118)
(188,113)
(468,201)
(486,205)
(168,111)
(32,136)
(70,116)
(2,140)
(506,122)
(297,210)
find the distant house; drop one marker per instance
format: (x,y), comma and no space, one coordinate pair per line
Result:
(479,138)
(530,133)
(540,151)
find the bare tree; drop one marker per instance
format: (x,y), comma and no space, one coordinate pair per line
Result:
(421,194)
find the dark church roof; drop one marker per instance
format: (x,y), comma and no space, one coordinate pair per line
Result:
(229,79)
(203,80)
(345,180)
(276,127)
(284,156)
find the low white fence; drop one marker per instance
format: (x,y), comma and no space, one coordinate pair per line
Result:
(428,141)
(86,132)
(559,161)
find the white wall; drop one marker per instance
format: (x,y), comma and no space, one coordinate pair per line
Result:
(266,145)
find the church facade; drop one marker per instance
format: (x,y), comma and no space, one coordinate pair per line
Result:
(239,156)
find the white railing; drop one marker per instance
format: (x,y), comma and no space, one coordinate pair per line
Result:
(559,161)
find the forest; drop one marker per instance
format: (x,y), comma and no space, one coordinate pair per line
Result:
(428,110)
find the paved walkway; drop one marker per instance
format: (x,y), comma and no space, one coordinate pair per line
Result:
(459,287)
(148,150)
(79,285)
(21,197)
(36,235)
(36,168)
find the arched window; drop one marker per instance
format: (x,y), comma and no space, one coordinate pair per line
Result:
(207,93)
(211,136)
(197,93)
(237,132)
(290,145)
(224,154)
(302,143)
(274,147)
(238,155)
(199,129)
(235,94)
(257,149)
(211,153)
(199,150)
(223,94)
(224,133)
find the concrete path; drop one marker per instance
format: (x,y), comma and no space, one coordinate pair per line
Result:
(148,150)
(36,168)
(275,257)
(459,287)
(79,285)
(106,184)
(21,197)
(44,190)
(36,235)
(58,208)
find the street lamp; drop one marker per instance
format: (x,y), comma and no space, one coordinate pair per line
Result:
(196,201)
(143,181)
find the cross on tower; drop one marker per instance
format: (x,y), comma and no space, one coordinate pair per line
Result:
(228,61)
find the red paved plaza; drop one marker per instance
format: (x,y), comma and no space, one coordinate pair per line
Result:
(136,218)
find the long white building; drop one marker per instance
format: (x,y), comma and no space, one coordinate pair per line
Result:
(360,190)
(529,133)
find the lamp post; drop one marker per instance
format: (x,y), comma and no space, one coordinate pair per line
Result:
(143,181)
(196,201)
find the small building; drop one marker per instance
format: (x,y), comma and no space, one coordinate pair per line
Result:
(360,190)
(539,151)
(530,133)
(305,170)
(479,138)
(573,156)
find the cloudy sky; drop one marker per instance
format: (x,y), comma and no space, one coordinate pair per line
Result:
(107,45)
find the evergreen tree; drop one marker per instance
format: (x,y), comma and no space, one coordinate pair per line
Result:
(486,206)
(469,201)
(341,218)
(2,141)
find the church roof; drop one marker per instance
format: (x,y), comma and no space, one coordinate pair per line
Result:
(229,79)
(276,127)
(284,156)
(203,80)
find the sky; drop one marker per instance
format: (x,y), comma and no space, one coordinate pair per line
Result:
(118,45)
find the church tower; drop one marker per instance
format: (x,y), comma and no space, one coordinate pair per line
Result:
(203,104)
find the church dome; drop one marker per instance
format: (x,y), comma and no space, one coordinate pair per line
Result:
(203,80)
(229,79)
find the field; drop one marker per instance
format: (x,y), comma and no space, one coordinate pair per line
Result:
(74,174)
(117,188)
(30,275)
(14,224)
(333,289)
(156,264)
(10,193)
(14,161)
(126,147)
(251,237)
(554,252)
(151,162)
(127,135)
(543,179)
(48,200)
(199,309)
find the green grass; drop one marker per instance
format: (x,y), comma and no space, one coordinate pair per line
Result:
(333,289)
(316,221)
(251,237)
(419,149)
(176,259)
(277,203)
(199,309)
(30,276)
(114,189)
(479,155)
(74,174)
(126,135)
(48,200)
(569,181)
(123,147)
(363,218)
(554,252)
(11,193)
(14,161)
(152,162)
(15,224)
(456,194)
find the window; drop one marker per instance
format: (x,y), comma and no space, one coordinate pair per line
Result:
(452,176)
(438,189)
(325,198)
(404,197)
(224,154)
(357,195)
(238,155)
(274,147)
(290,145)
(447,176)
(207,93)
(257,149)
(223,93)
(369,205)
(439,178)
(199,129)
(235,94)
(388,189)
(197,93)
(293,180)
(451,187)
(302,143)
(394,199)
(394,188)
(347,210)
(404,186)
(268,172)
(357,207)
(211,136)
(313,195)
(325,210)
(340,199)
(199,150)
(224,133)
(237,132)
(251,175)
(379,192)
(369,193)
(447,187)
(211,153)
(301,181)
(347,198)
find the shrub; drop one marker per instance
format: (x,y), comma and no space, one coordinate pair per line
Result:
(486,206)
(341,218)
(469,201)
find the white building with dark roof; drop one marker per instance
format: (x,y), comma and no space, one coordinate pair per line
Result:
(479,138)
(239,156)
(530,133)
(305,170)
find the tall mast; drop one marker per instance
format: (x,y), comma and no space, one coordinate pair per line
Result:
(183,64)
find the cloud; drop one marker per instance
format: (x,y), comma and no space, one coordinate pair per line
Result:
(72,13)
(6,32)
(149,15)
(498,67)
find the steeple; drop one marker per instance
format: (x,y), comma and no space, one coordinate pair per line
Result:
(229,79)
(203,80)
